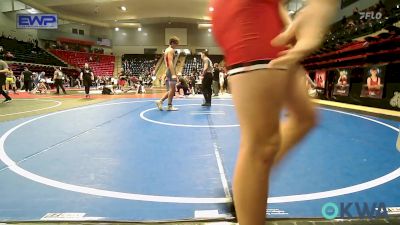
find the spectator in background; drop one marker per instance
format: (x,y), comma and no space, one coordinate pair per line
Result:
(4,71)
(182,86)
(9,56)
(192,84)
(356,12)
(215,82)
(10,81)
(35,80)
(42,88)
(59,80)
(42,75)
(27,78)
(78,82)
(221,81)
(19,82)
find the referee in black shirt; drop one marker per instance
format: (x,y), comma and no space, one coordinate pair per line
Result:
(87,76)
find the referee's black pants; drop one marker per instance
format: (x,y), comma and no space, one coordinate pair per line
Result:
(206,87)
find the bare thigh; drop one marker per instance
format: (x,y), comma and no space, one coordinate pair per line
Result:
(259,97)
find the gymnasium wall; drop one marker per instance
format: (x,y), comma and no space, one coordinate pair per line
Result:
(153,36)
(131,41)
(8,27)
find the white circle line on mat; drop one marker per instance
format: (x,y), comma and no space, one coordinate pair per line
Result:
(58,103)
(187,200)
(142,116)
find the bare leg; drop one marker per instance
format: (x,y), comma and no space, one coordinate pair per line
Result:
(172,89)
(302,116)
(258,97)
(165,96)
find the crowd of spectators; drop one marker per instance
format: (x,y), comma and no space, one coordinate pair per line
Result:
(361,23)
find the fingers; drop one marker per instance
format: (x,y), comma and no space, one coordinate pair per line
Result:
(285,38)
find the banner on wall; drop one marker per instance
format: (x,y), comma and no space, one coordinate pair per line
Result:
(320,79)
(373,82)
(342,83)
(37,21)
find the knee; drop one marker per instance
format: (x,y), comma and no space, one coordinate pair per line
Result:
(263,148)
(308,119)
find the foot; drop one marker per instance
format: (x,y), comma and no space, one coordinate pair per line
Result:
(159,105)
(171,108)
(206,104)
(7,100)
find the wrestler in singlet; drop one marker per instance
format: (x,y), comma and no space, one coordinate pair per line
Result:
(170,77)
(244,30)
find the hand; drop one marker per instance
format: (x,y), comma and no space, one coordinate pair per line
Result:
(306,32)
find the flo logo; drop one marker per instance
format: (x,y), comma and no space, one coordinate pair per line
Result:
(371,15)
(353,210)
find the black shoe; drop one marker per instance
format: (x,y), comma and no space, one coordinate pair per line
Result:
(206,104)
(7,100)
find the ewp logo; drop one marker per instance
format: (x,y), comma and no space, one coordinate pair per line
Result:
(332,211)
(37,21)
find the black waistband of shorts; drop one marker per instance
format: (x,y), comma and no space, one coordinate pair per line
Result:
(251,63)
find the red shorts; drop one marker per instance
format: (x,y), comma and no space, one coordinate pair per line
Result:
(244,30)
